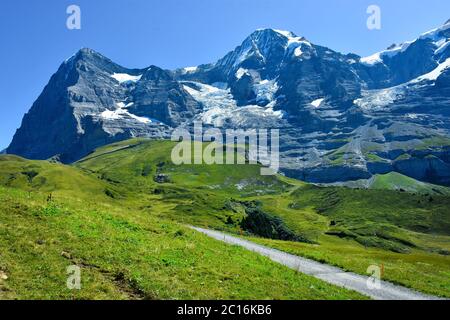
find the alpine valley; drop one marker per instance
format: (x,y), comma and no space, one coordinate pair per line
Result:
(88,180)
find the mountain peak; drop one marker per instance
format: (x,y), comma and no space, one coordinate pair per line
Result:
(282,32)
(265,48)
(287,34)
(89,57)
(88,53)
(268,37)
(86,50)
(156,73)
(85,54)
(274,32)
(288,37)
(328,105)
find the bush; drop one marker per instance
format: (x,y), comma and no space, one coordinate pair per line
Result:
(110,194)
(31,174)
(162,178)
(265,225)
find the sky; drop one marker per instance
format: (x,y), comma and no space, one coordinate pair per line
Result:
(34,39)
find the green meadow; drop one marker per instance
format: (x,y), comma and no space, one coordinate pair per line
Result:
(122,214)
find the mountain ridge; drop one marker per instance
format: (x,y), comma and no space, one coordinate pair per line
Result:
(87,201)
(341,116)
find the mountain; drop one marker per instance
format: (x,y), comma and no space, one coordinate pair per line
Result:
(341,117)
(91,101)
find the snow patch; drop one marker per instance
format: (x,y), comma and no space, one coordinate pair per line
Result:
(433,75)
(190,69)
(294,43)
(439,41)
(219,106)
(124,77)
(372,60)
(298,41)
(211,97)
(378,57)
(122,113)
(241,72)
(441,46)
(412,115)
(298,52)
(316,103)
(284,33)
(434,33)
(241,56)
(265,90)
(377,100)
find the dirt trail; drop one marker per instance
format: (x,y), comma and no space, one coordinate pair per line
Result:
(327,273)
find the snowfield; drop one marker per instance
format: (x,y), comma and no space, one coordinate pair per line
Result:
(433,75)
(122,113)
(123,77)
(220,108)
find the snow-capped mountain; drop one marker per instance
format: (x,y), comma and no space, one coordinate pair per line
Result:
(409,60)
(91,101)
(341,116)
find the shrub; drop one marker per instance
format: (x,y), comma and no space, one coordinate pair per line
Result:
(268,226)
(30,174)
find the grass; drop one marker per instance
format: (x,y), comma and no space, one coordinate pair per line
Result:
(375,158)
(46,177)
(437,141)
(126,230)
(125,254)
(406,233)
(397,181)
(420,270)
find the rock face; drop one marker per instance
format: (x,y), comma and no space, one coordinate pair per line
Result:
(162,178)
(91,101)
(341,117)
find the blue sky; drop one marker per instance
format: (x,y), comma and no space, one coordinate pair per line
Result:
(178,33)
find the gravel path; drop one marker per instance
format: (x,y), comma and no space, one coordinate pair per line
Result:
(330,274)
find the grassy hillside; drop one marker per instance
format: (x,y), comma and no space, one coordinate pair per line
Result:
(399,182)
(121,213)
(126,254)
(46,177)
(402,225)
(407,234)
(195,194)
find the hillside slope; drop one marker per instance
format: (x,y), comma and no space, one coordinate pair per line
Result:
(124,247)
(398,182)
(131,214)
